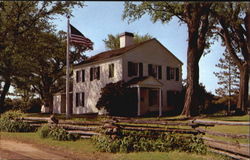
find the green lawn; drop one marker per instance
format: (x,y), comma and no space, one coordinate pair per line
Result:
(234,140)
(167,156)
(86,147)
(230,129)
(245,118)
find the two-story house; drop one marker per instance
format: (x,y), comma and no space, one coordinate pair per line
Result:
(148,66)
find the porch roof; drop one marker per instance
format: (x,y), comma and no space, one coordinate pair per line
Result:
(147,81)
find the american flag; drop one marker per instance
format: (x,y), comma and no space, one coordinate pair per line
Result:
(77,38)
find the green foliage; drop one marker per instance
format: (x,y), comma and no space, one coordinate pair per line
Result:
(43,131)
(113,41)
(228,76)
(31,106)
(56,133)
(22,23)
(117,99)
(11,122)
(131,141)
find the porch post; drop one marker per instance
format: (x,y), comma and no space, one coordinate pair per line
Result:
(160,104)
(139,101)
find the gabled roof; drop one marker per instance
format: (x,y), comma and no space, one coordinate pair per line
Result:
(118,52)
(112,53)
(144,81)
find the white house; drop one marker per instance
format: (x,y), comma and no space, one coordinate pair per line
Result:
(148,66)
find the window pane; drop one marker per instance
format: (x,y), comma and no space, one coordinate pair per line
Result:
(177,74)
(168,73)
(77,99)
(83,75)
(91,74)
(171,73)
(83,99)
(111,70)
(159,72)
(77,76)
(140,69)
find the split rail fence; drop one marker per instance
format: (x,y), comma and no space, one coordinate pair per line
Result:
(193,127)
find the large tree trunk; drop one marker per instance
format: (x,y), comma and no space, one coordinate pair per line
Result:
(4,93)
(243,94)
(190,105)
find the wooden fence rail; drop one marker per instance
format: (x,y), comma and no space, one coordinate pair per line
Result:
(86,129)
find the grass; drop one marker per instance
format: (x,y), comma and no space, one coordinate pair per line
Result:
(244,118)
(86,147)
(165,156)
(234,140)
(230,129)
(31,137)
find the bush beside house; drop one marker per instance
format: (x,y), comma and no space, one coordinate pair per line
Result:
(118,100)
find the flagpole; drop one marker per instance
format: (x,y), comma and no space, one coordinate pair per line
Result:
(67,73)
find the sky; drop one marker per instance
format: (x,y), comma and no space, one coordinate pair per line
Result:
(98,19)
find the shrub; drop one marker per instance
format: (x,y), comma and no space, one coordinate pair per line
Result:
(11,122)
(149,141)
(118,99)
(56,133)
(31,106)
(43,131)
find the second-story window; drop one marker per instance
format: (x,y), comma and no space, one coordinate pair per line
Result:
(111,70)
(78,76)
(155,71)
(132,69)
(177,74)
(83,75)
(94,73)
(170,73)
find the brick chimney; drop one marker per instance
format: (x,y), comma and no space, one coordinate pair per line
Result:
(126,39)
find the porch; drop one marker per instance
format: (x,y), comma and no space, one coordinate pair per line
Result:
(149,94)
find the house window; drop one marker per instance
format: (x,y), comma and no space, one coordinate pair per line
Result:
(83,99)
(177,74)
(170,73)
(132,69)
(78,76)
(111,70)
(155,71)
(140,69)
(80,98)
(94,73)
(83,75)
(153,97)
(77,99)
(159,72)
(152,70)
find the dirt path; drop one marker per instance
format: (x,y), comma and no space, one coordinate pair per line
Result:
(22,151)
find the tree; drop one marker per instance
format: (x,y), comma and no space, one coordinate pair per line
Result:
(234,30)
(228,78)
(47,70)
(113,41)
(196,15)
(20,21)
